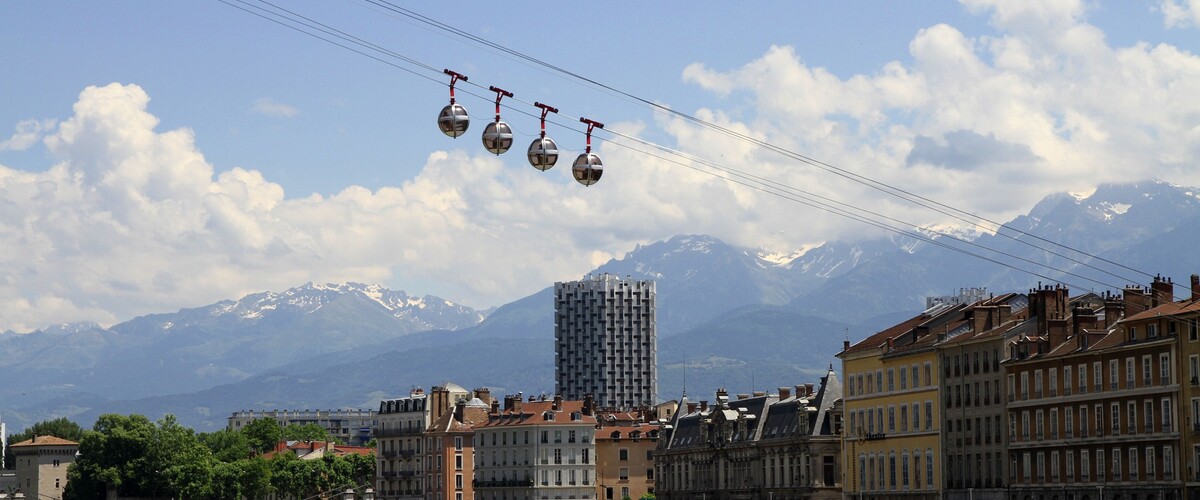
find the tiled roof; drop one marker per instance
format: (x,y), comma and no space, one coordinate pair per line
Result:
(534,413)
(45,441)
(1167,309)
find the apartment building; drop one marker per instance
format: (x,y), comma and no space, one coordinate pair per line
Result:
(450,450)
(893,441)
(605,341)
(401,423)
(1093,407)
(782,446)
(972,404)
(348,425)
(536,450)
(625,443)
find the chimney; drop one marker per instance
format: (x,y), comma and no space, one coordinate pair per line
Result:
(759,394)
(785,392)
(460,410)
(1114,308)
(557,402)
(691,407)
(495,406)
(846,343)
(484,394)
(808,389)
(1163,291)
(742,395)
(1003,313)
(890,345)
(508,402)
(589,404)
(1056,329)
(1083,317)
(1136,300)
(1196,287)
(703,406)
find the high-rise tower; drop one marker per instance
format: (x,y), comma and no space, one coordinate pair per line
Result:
(605,342)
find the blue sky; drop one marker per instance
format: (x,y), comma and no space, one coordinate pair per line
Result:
(234,155)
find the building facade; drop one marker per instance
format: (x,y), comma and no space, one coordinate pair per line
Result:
(893,440)
(450,451)
(536,450)
(625,443)
(757,446)
(398,433)
(605,341)
(350,426)
(42,464)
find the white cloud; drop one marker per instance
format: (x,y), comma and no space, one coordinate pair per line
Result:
(1181,13)
(27,134)
(267,106)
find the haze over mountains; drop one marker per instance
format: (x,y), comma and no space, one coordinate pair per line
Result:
(728,317)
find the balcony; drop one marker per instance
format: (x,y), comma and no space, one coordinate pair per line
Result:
(387,433)
(503,483)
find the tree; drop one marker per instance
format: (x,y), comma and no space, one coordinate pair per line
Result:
(112,455)
(183,463)
(263,434)
(227,445)
(647,496)
(306,432)
(59,427)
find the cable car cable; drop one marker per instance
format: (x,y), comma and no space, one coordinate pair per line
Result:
(350,38)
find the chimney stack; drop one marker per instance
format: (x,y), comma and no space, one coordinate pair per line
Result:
(742,395)
(557,402)
(845,345)
(691,407)
(1135,300)
(703,406)
(1056,330)
(1196,287)
(589,404)
(784,393)
(495,406)
(808,389)
(1162,291)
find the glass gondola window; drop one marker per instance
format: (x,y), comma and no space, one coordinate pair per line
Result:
(498,136)
(453,120)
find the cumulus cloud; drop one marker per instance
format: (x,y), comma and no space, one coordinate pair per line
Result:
(1181,13)
(269,107)
(27,134)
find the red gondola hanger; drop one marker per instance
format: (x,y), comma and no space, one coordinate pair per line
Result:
(543,152)
(588,167)
(453,120)
(498,136)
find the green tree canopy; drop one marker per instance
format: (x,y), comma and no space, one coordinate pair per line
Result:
(306,432)
(227,445)
(263,434)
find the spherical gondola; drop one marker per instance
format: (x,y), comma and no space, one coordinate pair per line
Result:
(497,137)
(453,120)
(587,169)
(543,153)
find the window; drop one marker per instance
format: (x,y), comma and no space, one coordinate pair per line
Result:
(1150,463)
(1083,379)
(1068,422)
(1067,380)
(1085,467)
(1070,464)
(1168,461)
(623,454)
(1037,383)
(1194,369)
(1100,464)
(458,443)
(1053,382)
(878,381)
(1166,415)
(624,474)
(903,379)
(1054,423)
(928,415)
(1024,385)
(1164,368)
(904,470)
(1133,463)
(1152,330)
(916,415)
(891,419)
(1128,374)
(903,418)
(1133,333)
(1116,418)
(1146,370)
(891,380)
(892,470)
(1054,466)
(870,382)
(929,468)
(1025,426)
(1097,376)
(1039,419)
(1116,464)
(916,381)
(928,373)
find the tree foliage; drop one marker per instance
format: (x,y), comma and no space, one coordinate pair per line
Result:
(135,457)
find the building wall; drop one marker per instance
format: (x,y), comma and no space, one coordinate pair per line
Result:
(881,427)
(973,402)
(42,470)
(605,341)
(400,470)
(536,461)
(1119,430)
(451,468)
(625,463)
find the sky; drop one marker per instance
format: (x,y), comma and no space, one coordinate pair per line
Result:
(162,155)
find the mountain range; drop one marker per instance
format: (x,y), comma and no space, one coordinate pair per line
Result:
(739,318)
